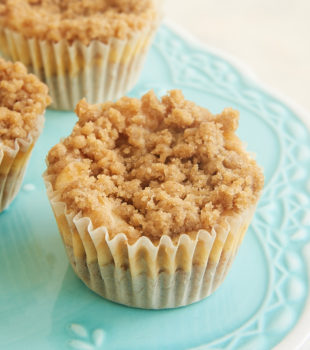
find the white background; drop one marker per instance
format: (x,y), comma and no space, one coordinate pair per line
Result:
(272,37)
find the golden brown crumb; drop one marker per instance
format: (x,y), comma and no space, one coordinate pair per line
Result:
(150,167)
(22,99)
(82,20)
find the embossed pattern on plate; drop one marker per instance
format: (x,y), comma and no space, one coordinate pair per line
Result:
(43,305)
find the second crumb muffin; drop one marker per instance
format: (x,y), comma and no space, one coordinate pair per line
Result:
(152,198)
(79,48)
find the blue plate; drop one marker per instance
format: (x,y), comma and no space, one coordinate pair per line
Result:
(43,305)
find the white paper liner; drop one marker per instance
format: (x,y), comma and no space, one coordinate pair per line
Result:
(144,275)
(13,164)
(99,72)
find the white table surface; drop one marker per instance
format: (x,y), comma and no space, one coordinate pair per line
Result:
(272,37)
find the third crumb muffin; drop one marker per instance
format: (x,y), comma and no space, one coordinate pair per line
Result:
(152,198)
(23,99)
(79,48)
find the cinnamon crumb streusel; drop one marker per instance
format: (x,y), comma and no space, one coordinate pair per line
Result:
(82,20)
(22,98)
(153,168)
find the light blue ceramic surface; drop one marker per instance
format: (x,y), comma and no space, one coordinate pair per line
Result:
(43,305)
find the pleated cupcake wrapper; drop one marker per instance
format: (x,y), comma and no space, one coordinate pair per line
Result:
(144,275)
(99,72)
(13,163)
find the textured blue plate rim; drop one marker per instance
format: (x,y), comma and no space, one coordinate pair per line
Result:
(299,337)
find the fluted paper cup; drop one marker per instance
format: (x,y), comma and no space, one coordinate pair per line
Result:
(98,71)
(145,275)
(13,163)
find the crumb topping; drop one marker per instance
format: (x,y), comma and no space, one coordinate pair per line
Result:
(82,20)
(22,99)
(153,168)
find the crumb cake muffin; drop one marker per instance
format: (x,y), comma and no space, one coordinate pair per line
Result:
(23,99)
(79,48)
(152,198)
